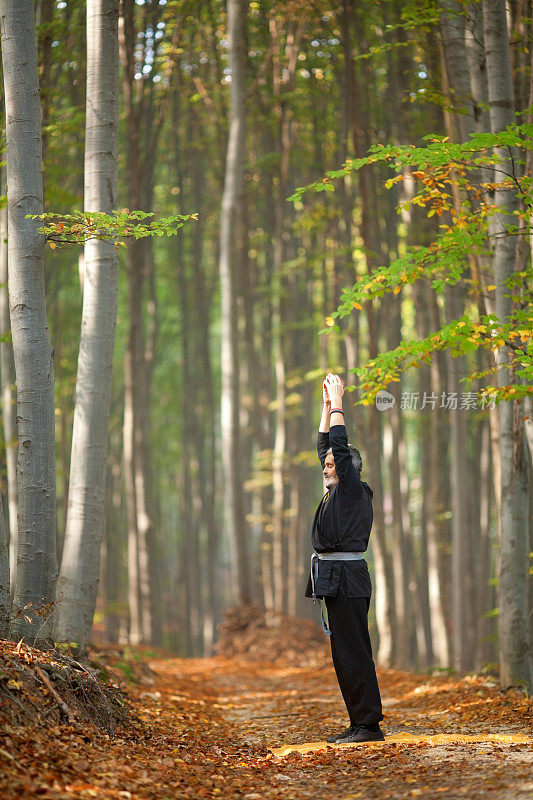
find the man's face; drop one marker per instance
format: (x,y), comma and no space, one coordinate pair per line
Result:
(330,476)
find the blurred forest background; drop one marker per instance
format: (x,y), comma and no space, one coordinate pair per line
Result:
(204,510)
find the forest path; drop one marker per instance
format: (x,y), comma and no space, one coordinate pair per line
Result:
(255,706)
(206,726)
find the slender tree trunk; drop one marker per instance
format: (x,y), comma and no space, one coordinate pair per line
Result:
(145,524)
(143,129)
(475,56)
(434,480)
(483,599)
(207,456)
(7,378)
(78,578)
(5,599)
(515,656)
(458,84)
(347,273)
(452,27)
(280,438)
(131,374)
(8,551)
(189,421)
(34,363)
(231,452)
(462,622)
(402,558)
(113,588)
(44,16)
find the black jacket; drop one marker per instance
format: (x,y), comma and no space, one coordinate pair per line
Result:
(342,522)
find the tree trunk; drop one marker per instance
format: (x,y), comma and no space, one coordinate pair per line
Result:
(113,529)
(207,456)
(483,573)
(452,27)
(515,656)
(78,578)
(44,17)
(461,608)
(142,132)
(131,375)
(145,524)
(34,362)
(457,82)
(475,55)
(189,544)
(5,599)
(231,451)
(7,378)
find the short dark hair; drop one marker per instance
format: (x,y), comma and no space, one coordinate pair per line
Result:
(357,461)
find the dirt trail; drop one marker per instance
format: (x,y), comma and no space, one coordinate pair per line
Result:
(205,728)
(274,707)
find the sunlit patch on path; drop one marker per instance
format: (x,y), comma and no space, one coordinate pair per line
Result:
(408,738)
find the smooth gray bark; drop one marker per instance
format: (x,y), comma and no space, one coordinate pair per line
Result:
(34,362)
(475,55)
(78,579)
(452,29)
(515,656)
(5,600)
(8,392)
(231,455)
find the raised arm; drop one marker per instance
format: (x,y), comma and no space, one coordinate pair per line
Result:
(348,475)
(323,428)
(326,410)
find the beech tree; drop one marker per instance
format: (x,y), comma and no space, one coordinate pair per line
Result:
(230,249)
(34,361)
(78,577)
(515,654)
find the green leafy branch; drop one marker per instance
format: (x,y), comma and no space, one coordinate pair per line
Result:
(453,180)
(119,227)
(459,159)
(460,336)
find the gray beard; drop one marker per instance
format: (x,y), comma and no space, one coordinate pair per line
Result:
(331,482)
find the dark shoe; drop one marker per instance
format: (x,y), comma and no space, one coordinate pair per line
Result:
(361,734)
(336,736)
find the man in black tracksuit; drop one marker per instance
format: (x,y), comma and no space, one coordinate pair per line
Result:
(340,533)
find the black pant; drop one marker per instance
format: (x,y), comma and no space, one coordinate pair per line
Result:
(352,656)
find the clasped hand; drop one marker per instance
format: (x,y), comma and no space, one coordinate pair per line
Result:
(332,391)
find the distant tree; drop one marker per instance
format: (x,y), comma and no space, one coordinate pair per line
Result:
(229,250)
(34,362)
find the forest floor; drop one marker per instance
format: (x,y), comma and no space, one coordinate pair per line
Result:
(205,728)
